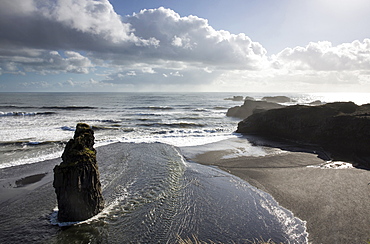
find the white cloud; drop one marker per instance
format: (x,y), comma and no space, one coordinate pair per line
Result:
(97,17)
(93,82)
(191,39)
(131,73)
(159,47)
(36,84)
(148,70)
(176,41)
(324,56)
(176,73)
(208,70)
(184,42)
(70,82)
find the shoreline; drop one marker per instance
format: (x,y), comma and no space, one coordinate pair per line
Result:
(333,202)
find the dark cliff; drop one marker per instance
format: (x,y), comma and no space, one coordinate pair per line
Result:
(342,129)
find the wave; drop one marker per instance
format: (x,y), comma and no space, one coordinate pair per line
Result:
(144,114)
(173,125)
(67,128)
(48,107)
(15,107)
(110,121)
(5,114)
(195,133)
(24,161)
(191,118)
(69,107)
(219,108)
(145,119)
(153,108)
(95,128)
(200,110)
(29,143)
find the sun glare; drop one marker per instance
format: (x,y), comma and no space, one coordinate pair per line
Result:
(342,6)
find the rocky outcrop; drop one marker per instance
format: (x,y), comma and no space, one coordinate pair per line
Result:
(76,179)
(278,99)
(235,98)
(342,129)
(316,102)
(250,107)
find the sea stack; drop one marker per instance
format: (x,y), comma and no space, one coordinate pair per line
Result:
(76,179)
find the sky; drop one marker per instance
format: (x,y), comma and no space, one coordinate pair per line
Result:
(185,46)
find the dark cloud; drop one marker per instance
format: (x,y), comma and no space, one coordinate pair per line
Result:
(151,35)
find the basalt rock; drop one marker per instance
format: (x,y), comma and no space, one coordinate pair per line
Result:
(76,179)
(341,128)
(250,107)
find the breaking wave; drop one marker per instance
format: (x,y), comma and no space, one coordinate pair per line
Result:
(3,114)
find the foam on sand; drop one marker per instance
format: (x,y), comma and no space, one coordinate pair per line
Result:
(333,165)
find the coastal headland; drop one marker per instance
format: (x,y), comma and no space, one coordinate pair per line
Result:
(342,129)
(303,176)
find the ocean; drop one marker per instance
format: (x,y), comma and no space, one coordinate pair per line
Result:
(153,194)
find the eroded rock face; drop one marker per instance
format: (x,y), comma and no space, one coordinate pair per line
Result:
(342,128)
(76,179)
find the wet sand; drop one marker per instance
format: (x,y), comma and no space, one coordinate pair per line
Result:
(16,182)
(30,179)
(334,202)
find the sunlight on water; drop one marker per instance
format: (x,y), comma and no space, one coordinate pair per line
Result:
(358,98)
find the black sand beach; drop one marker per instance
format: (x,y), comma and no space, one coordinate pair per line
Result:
(152,196)
(334,202)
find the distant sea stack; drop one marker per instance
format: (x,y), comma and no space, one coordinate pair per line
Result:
(250,107)
(278,99)
(341,128)
(76,179)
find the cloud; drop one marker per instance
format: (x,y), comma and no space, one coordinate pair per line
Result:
(64,24)
(44,62)
(148,70)
(192,40)
(159,47)
(323,56)
(131,73)
(191,76)
(96,17)
(70,82)
(36,84)
(151,35)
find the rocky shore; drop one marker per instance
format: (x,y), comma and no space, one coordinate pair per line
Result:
(334,202)
(342,129)
(250,107)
